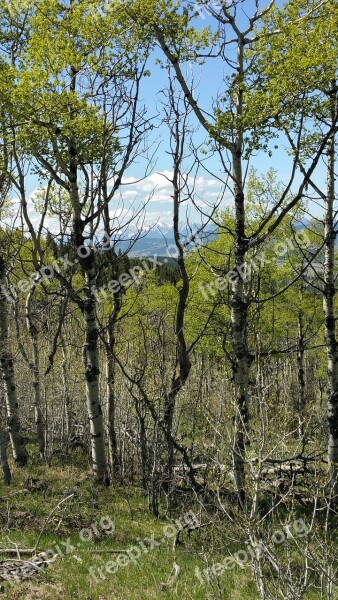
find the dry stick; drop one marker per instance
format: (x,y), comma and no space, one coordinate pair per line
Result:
(109,551)
(32,550)
(173,577)
(176,568)
(49,516)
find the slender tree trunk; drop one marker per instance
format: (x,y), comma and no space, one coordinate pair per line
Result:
(31,326)
(239,305)
(111,409)
(110,342)
(3,457)
(92,371)
(66,396)
(169,410)
(7,370)
(330,323)
(143,448)
(3,445)
(183,366)
(301,376)
(91,348)
(241,368)
(86,259)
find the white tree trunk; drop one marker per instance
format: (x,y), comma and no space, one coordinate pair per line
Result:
(3,445)
(91,363)
(111,409)
(88,306)
(301,377)
(67,403)
(330,324)
(7,370)
(32,328)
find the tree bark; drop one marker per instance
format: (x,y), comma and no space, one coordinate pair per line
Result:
(110,342)
(183,364)
(3,446)
(111,404)
(67,402)
(86,260)
(301,376)
(238,303)
(92,371)
(7,370)
(330,323)
(33,331)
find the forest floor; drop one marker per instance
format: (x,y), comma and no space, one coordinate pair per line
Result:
(62,509)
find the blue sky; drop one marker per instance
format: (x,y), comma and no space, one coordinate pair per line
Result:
(210,77)
(156,187)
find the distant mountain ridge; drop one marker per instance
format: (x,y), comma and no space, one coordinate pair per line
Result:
(159,239)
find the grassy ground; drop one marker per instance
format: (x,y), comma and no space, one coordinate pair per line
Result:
(91,513)
(76,575)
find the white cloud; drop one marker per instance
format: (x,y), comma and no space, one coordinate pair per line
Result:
(155,191)
(129,193)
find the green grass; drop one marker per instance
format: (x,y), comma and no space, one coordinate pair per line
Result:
(23,515)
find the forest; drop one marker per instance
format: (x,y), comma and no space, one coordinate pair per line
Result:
(168,299)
